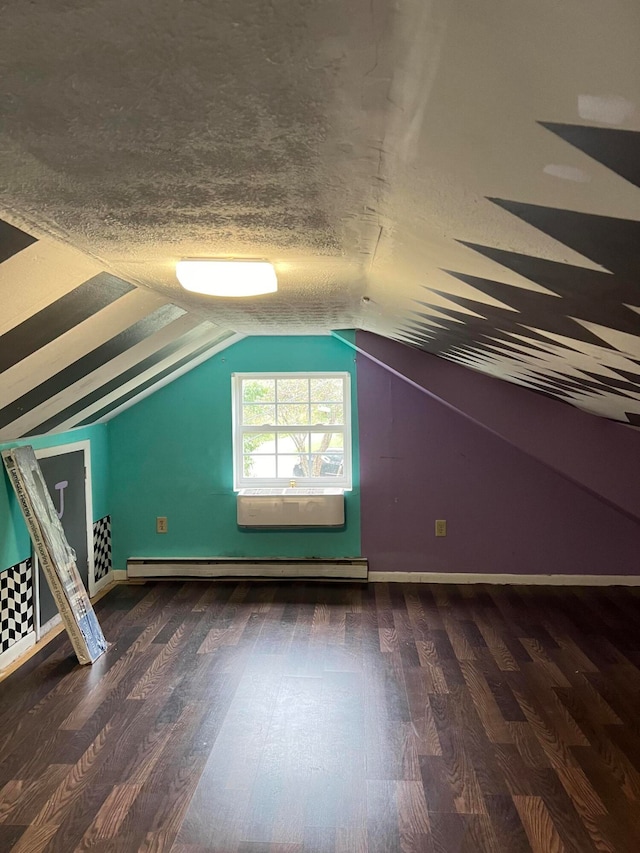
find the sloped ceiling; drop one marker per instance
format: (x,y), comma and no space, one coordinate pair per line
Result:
(461,176)
(77,343)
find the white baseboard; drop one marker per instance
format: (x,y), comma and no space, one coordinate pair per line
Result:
(120,575)
(523,580)
(15,651)
(50,625)
(105,581)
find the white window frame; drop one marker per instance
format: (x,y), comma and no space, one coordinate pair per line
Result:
(239,430)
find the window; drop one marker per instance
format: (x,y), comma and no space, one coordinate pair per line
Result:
(291,426)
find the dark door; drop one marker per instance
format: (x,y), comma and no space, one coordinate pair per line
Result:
(65,479)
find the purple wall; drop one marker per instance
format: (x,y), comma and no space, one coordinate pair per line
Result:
(598,454)
(506,511)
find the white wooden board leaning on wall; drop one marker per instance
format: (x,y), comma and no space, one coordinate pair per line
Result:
(56,556)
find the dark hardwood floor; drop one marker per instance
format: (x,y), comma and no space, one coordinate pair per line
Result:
(301,718)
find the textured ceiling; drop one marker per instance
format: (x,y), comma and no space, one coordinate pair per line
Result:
(461,176)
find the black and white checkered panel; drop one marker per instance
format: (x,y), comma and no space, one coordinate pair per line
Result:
(16,604)
(101,548)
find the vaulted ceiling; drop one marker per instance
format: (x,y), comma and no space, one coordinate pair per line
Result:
(460,176)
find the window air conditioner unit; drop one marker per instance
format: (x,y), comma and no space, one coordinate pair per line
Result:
(290,508)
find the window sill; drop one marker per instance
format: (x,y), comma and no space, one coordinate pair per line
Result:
(297,491)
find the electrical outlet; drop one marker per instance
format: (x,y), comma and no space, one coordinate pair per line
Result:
(441,527)
(161,524)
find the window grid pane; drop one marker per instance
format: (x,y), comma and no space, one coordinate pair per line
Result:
(258,414)
(327,464)
(290,466)
(292,414)
(259,442)
(327,413)
(292,442)
(258,390)
(326,389)
(259,466)
(292,390)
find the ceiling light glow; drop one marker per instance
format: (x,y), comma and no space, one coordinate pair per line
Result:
(216,277)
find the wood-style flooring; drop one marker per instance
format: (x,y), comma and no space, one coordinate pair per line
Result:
(302,718)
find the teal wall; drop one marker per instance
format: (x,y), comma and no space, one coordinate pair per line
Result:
(14,539)
(171,455)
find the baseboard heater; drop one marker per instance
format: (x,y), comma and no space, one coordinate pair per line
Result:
(283,568)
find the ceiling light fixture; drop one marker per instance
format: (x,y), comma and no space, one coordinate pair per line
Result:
(217,277)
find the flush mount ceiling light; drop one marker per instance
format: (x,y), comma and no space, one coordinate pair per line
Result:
(217,277)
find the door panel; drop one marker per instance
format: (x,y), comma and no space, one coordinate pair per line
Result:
(65,478)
